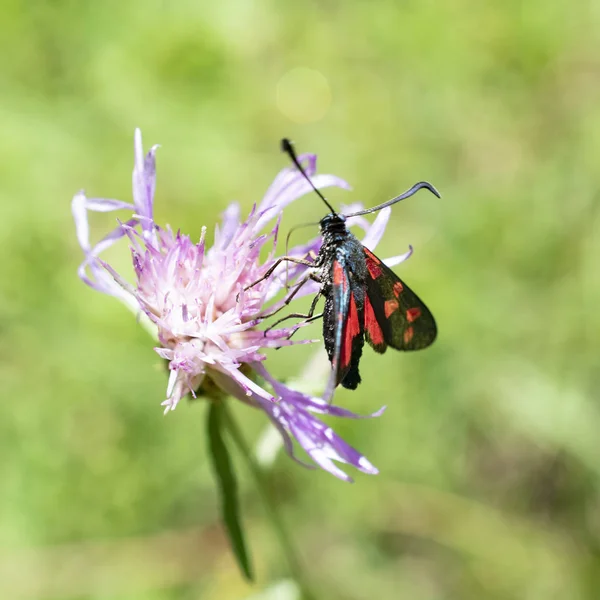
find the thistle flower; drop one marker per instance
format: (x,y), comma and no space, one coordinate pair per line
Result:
(192,299)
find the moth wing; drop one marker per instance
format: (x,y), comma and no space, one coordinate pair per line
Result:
(393,314)
(343,326)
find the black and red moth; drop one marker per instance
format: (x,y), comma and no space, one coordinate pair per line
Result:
(363,297)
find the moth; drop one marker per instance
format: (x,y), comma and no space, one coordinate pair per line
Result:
(364,299)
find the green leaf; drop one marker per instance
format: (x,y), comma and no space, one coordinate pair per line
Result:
(227,482)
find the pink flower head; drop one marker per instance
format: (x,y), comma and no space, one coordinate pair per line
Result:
(194,301)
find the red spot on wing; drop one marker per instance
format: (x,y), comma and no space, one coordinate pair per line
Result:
(371,324)
(408,334)
(339,277)
(352,330)
(412,314)
(398,287)
(373,264)
(389,307)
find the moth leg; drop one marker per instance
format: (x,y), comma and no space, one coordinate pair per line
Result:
(312,255)
(290,297)
(310,316)
(306,320)
(298,261)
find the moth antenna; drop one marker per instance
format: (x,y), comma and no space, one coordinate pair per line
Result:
(287,241)
(288,148)
(413,190)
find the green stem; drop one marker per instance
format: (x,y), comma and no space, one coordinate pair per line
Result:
(291,554)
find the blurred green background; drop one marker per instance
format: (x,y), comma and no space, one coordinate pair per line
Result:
(490,449)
